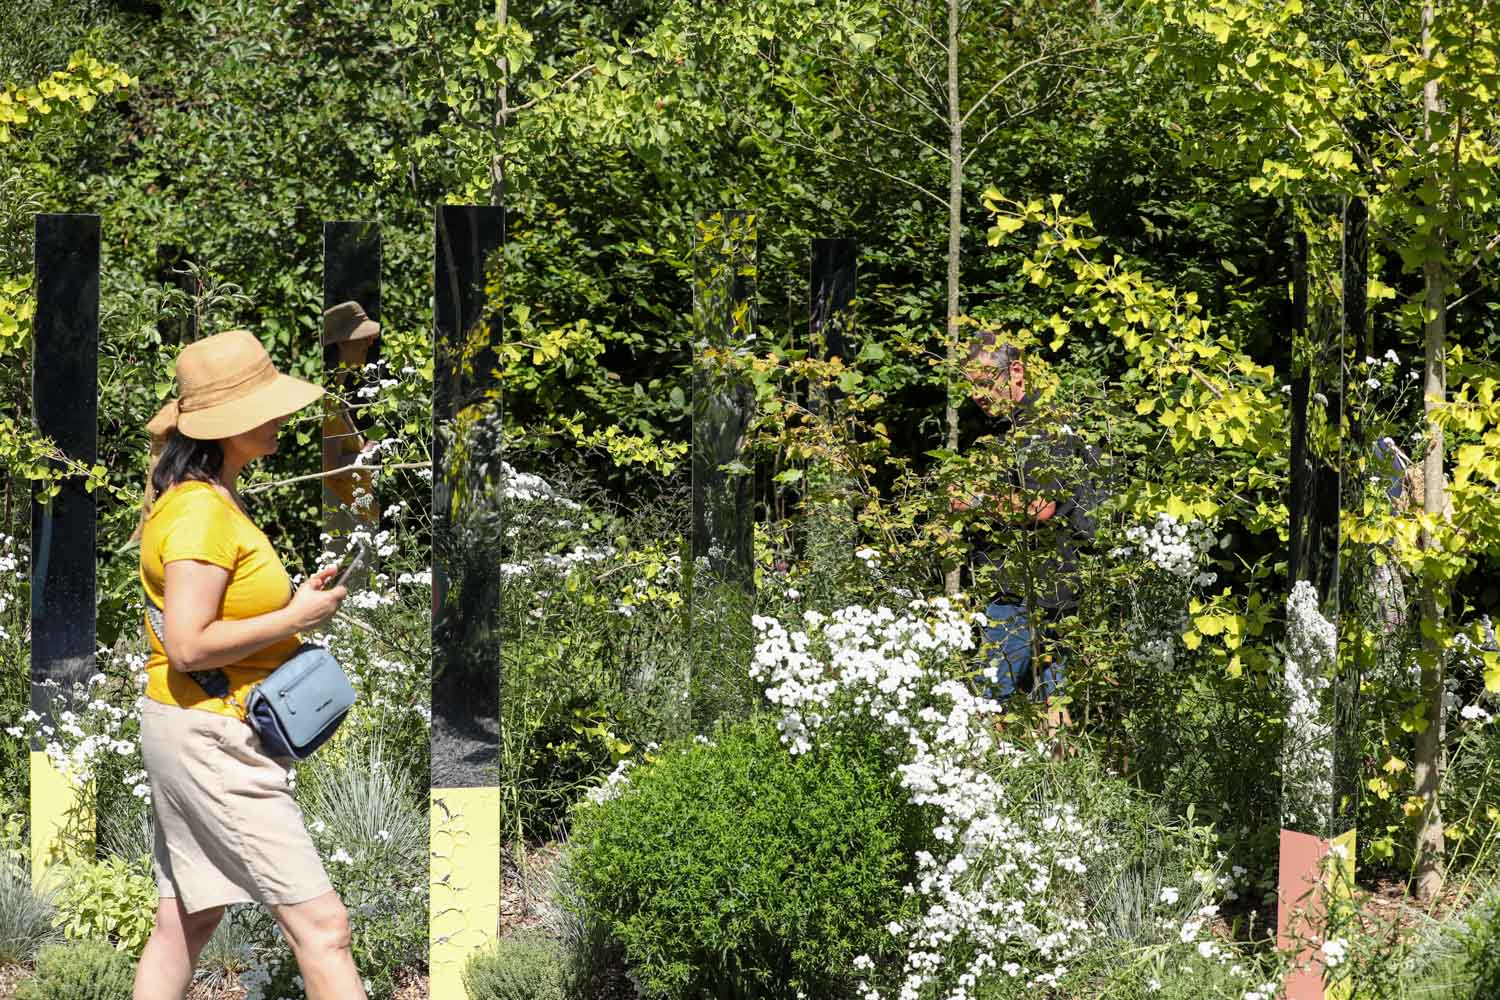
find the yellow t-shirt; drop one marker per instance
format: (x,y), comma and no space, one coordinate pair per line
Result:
(193,520)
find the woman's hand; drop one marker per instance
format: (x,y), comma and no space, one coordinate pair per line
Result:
(312,606)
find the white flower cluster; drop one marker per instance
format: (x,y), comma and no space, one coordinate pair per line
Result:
(1307,755)
(1159,607)
(86,729)
(530,488)
(877,659)
(612,785)
(11,550)
(997,895)
(1172,546)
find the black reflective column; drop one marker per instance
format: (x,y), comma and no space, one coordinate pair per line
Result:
(722,594)
(825,515)
(466,679)
(1354,457)
(1316,455)
(832,286)
(65,364)
(351,273)
(723,324)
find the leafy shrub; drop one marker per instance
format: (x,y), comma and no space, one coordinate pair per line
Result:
(524,967)
(26,916)
(87,970)
(1482,951)
(732,868)
(110,900)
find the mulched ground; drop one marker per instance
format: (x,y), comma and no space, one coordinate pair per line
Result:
(409,986)
(10,975)
(526,905)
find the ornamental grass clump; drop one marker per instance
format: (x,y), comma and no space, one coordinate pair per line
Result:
(27,917)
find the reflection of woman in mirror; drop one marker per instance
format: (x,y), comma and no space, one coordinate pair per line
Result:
(348,499)
(221,615)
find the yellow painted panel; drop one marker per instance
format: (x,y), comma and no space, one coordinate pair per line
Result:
(464,910)
(56,808)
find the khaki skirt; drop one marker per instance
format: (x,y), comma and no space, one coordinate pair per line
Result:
(227,829)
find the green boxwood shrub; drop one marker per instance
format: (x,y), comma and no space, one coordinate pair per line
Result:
(82,970)
(733,869)
(524,967)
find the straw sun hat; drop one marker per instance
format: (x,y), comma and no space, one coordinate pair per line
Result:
(226,385)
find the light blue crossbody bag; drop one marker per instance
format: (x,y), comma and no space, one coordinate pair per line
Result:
(296,709)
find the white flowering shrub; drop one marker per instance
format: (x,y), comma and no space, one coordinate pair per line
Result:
(596,658)
(1307,757)
(1001,887)
(1013,863)
(1173,557)
(15,651)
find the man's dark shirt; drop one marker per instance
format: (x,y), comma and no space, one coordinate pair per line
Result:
(1040,568)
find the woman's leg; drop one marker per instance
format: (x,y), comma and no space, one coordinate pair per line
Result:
(166,967)
(318,931)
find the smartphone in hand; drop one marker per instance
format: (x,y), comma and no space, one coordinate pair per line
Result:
(354,558)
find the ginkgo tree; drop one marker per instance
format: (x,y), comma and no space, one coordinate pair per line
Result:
(1402,109)
(62,95)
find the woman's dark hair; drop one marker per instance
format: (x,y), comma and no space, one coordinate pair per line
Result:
(183,458)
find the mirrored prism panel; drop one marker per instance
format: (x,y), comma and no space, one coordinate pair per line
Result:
(351,273)
(722,594)
(65,407)
(824,520)
(831,282)
(1320,758)
(466,457)
(1354,455)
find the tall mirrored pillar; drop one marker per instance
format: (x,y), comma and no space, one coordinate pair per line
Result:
(465,819)
(1320,753)
(826,517)
(65,408)
(351,346)
(722,587)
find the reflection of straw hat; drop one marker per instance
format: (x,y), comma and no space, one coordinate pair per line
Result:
(348,321)
(226,385)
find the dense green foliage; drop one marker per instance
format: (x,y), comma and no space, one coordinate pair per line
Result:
(734,869)
(1131,180)
(80,970)
(1482,952)
(522,967)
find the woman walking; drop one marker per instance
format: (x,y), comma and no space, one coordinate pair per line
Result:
(227,829)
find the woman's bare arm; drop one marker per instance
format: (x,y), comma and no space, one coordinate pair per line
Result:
(198,639)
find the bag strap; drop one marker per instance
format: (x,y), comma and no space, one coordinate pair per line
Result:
(215,682)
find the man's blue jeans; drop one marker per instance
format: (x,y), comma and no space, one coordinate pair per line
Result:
(1009,640)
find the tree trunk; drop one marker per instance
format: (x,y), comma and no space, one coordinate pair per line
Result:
(502,112)
(1428,773)
(955,232)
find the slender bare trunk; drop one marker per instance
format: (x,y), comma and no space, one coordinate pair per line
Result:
(955,231)
(1428,773)
(502,112)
